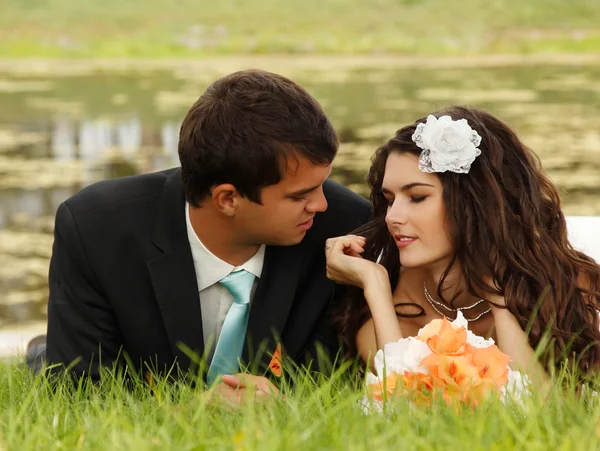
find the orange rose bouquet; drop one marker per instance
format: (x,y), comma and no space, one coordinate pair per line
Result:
(444,360)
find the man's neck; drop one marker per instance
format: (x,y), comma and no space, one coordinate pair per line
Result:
(216,234)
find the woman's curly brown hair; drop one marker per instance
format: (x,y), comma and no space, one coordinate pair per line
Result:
(504,220)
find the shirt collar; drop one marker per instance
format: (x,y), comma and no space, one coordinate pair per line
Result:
(210,268)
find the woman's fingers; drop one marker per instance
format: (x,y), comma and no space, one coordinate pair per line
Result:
(344,260)
(355,248)
(344,243)
(337,248)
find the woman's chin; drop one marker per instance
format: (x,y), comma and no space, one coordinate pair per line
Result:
(436,264)
(422,262)
(412,263)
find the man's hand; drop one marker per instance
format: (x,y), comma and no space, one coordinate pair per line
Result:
(236,390)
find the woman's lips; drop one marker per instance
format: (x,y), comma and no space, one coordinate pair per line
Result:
(404,240)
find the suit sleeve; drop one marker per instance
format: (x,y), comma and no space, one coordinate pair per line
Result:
(82,330)
(325,351)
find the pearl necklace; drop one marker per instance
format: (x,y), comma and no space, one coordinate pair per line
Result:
(433,303)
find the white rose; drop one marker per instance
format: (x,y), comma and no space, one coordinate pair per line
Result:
(516,387)
(447,145)
(404,355)
(472,339)
(478,341)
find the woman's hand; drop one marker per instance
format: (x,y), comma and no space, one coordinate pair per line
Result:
(345,264)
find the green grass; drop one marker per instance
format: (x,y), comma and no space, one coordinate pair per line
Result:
(158,28)
(314,415)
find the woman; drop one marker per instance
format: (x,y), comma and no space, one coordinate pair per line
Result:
(464,219)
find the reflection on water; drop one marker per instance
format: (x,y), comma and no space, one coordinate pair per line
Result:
(69,154)
(60,134)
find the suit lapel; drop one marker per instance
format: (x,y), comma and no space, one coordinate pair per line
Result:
(272,301)
(171,269)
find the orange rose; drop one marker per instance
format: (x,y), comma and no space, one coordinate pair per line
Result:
(448,340)
(431,329)
(416,381)
(461,380)
(479,390)
(491,363)
(452,372)
(383,388)
(419,387)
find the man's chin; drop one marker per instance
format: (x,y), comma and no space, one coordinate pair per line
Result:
(289,241)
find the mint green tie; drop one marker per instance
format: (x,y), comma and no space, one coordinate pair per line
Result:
(233,333)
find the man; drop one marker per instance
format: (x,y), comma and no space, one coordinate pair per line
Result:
(141,265)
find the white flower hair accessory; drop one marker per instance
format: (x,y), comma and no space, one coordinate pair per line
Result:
(447,145)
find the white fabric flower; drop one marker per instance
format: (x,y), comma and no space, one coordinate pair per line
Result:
(447,145)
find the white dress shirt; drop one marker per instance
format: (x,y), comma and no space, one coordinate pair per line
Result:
(215,299)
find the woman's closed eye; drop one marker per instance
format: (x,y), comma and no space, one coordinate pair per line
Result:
(413,199)
(417,199)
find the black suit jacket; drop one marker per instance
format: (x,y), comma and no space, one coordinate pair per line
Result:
(122,278)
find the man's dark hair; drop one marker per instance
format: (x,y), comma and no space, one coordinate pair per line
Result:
(243,129)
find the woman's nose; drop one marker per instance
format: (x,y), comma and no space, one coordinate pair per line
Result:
(397,214)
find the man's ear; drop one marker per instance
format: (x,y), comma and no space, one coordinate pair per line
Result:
(226,198)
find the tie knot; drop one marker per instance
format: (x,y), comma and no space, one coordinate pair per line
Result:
(239,284)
